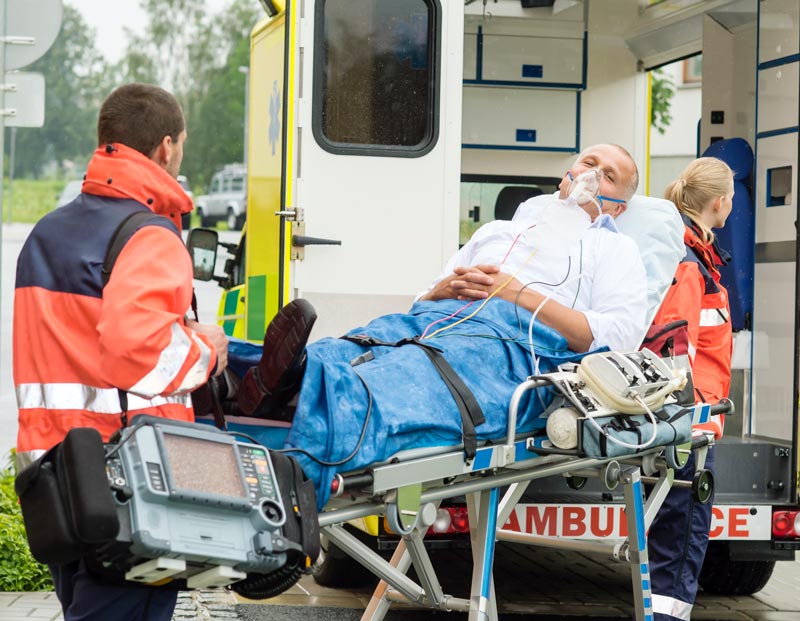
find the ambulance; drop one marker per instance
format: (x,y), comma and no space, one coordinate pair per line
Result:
(383,133)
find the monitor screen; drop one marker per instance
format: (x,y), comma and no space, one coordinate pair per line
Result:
(203,466)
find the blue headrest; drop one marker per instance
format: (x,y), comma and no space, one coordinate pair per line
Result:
(736,153)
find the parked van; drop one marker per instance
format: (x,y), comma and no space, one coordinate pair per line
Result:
(226,198)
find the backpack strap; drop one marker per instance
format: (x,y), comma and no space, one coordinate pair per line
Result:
(132,223)
(122,234)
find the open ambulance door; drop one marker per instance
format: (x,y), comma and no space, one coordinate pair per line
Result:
(353,180)
(268,158)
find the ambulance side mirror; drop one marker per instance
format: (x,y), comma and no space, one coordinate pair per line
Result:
(202,245)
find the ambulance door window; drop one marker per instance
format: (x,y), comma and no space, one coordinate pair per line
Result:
(376,67)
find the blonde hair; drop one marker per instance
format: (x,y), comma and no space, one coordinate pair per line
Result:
(702,181)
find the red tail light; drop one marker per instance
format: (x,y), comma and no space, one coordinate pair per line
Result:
(449,521)
(786,524)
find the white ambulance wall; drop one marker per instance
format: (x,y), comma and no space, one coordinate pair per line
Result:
(611,109)
(776,191)
(728,86)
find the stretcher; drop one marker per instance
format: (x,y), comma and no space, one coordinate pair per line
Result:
(408,489)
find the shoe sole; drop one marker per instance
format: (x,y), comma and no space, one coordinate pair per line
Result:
(290,330)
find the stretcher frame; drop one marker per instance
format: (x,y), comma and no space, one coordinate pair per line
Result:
(411,486)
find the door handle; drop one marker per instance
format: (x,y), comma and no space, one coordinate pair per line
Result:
(301,241)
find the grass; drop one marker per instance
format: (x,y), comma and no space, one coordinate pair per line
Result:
(19,571)
(31,198)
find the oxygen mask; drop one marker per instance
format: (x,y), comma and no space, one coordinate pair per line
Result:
(584,188)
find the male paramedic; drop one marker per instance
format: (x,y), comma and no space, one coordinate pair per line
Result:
(565,263)
(78,345)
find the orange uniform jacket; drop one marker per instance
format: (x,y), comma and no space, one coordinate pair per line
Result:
(698,296)
(75,342)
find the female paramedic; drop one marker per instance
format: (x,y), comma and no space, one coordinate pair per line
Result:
(678,537)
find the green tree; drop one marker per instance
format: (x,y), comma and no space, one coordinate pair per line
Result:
(75,83)
(216,120)
(164,53)
(199,62)
(661,92)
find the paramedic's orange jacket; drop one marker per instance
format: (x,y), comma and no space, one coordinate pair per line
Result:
(698,296)
(75,342)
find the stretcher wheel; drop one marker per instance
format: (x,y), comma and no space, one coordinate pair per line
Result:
(703,486)
(610,475)
(678,455)
(576,482)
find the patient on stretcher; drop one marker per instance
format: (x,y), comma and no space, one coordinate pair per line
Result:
(520,298)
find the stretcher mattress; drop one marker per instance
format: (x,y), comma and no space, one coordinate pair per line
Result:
(409,404)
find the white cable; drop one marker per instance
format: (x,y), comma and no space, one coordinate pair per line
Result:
(534,359)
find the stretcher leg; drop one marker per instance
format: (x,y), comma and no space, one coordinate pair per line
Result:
(377,565)
(482,508)
(379,603)
(640,567)
(657,495)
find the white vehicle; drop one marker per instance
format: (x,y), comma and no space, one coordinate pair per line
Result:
(70,192)
(226,198)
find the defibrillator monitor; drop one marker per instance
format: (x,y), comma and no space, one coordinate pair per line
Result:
(198,494)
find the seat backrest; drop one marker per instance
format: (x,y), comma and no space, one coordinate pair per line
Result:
(511,197)
(738,235)
(657,228)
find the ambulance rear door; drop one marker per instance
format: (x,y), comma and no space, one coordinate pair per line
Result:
(376,154)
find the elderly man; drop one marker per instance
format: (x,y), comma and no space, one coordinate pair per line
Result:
(596,293)
(444,373)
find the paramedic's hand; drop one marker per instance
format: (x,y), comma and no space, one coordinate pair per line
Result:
(218,338)
(452,287)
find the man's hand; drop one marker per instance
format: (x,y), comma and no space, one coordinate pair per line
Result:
(218,338)
(470,285)
(462,281)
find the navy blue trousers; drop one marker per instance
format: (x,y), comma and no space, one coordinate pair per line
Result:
(84,598)
(676,545)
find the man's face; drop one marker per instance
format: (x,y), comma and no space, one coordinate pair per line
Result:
(173,165)
(617,171)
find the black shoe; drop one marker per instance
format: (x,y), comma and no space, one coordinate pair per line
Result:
(266,388)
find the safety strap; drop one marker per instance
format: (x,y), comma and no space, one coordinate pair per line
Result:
(468,406)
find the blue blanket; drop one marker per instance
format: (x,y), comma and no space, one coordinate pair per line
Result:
(411,406)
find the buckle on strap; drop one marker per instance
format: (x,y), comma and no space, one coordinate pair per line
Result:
(468,406)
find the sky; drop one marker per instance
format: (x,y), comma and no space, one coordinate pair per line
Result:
(108,17)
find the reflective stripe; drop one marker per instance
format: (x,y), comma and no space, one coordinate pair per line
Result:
(673,607)
(713,317)
(87,398)
(199,372)
(692,350)
(169,364)
(26,458)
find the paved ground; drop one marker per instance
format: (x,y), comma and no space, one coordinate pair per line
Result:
(532,584)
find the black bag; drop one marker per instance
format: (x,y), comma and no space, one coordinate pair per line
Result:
(301,530)
(66,501)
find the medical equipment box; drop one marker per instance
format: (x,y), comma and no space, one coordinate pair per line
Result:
(193,493)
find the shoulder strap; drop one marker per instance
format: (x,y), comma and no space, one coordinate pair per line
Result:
(121,235)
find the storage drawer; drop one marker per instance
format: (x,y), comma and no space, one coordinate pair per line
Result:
(778,88)
(519,118)
(535,60)
(779,34)
(776,189)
